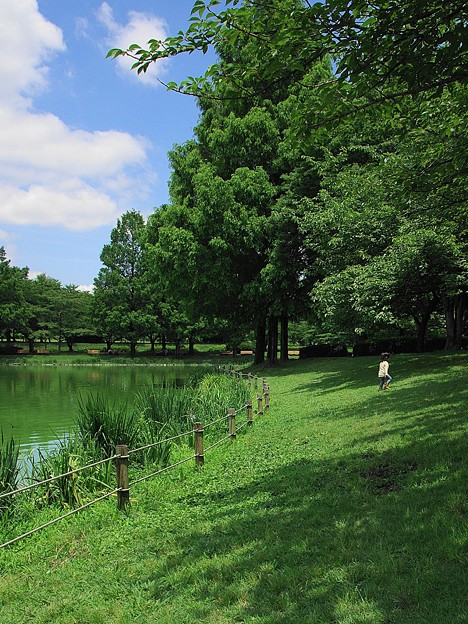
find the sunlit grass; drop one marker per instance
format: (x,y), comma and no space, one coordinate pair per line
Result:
(341,505)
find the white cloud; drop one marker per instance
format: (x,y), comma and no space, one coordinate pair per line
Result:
(33,274)
(43,143)
(141,27)
(51,174)
(27,42)
(7,242)
(81,28)
(73,205)
(85,288)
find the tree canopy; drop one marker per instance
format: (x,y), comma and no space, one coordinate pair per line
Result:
(380,51)
(325,182)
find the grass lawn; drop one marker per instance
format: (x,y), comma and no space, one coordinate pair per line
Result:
(342,505)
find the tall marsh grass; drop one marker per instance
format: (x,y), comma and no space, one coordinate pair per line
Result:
(72,490)
(215,394)
(9,469)
(102,425)
(163,412)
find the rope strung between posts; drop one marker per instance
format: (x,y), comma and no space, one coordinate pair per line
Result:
(215,421)
(153,474)
(240,409)
(143,448)
(70,513)
(65,474)
(216,443)
(125,489)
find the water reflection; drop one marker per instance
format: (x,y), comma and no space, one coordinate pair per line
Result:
(38,404)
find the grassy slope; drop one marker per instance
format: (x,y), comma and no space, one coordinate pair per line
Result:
(342,505)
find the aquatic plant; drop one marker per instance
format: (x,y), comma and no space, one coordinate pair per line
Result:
(216,393)
(102,425)
(73,489)
(9,469)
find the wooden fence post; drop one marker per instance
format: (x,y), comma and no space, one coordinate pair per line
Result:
(232,423)
(260,404)
(249,377)
(267,399)
(198,439)
(123,495)
(256,382)
(249,413)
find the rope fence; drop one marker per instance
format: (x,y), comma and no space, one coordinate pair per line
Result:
(215,422)
(159,442)
(153,474)
(208,448)
(122,454)
(70,513)
(60,476)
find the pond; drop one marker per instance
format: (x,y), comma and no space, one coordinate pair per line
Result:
(39,404)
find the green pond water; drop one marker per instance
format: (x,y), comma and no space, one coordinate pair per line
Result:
(38,404)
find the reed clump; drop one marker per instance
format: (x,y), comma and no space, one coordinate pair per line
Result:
(101,425)
(9,469)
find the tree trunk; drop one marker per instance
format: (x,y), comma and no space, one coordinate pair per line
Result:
(461,315)
(284,340)
(177,347)
(273,340)
(422,329)
(132,349)
(260,342)
(449,309)
(152,340)
(163,343)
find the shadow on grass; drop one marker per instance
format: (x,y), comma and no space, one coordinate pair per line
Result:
(328,542)
(327,374)
(367,536)
(422,406)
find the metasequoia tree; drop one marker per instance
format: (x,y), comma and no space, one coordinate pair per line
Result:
(13,306)
(119,310)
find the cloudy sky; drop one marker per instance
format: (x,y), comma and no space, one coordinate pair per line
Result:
(83,138)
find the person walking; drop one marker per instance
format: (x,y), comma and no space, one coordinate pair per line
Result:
(384,377)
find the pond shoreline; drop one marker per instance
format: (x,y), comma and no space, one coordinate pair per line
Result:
(103,364)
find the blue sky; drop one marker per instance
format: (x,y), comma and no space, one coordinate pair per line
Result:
(82,138)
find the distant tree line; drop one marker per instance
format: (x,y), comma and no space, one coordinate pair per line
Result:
(40,309)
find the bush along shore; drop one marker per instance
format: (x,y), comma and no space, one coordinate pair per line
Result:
(342,505)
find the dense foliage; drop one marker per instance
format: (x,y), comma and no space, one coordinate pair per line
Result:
(325,182)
